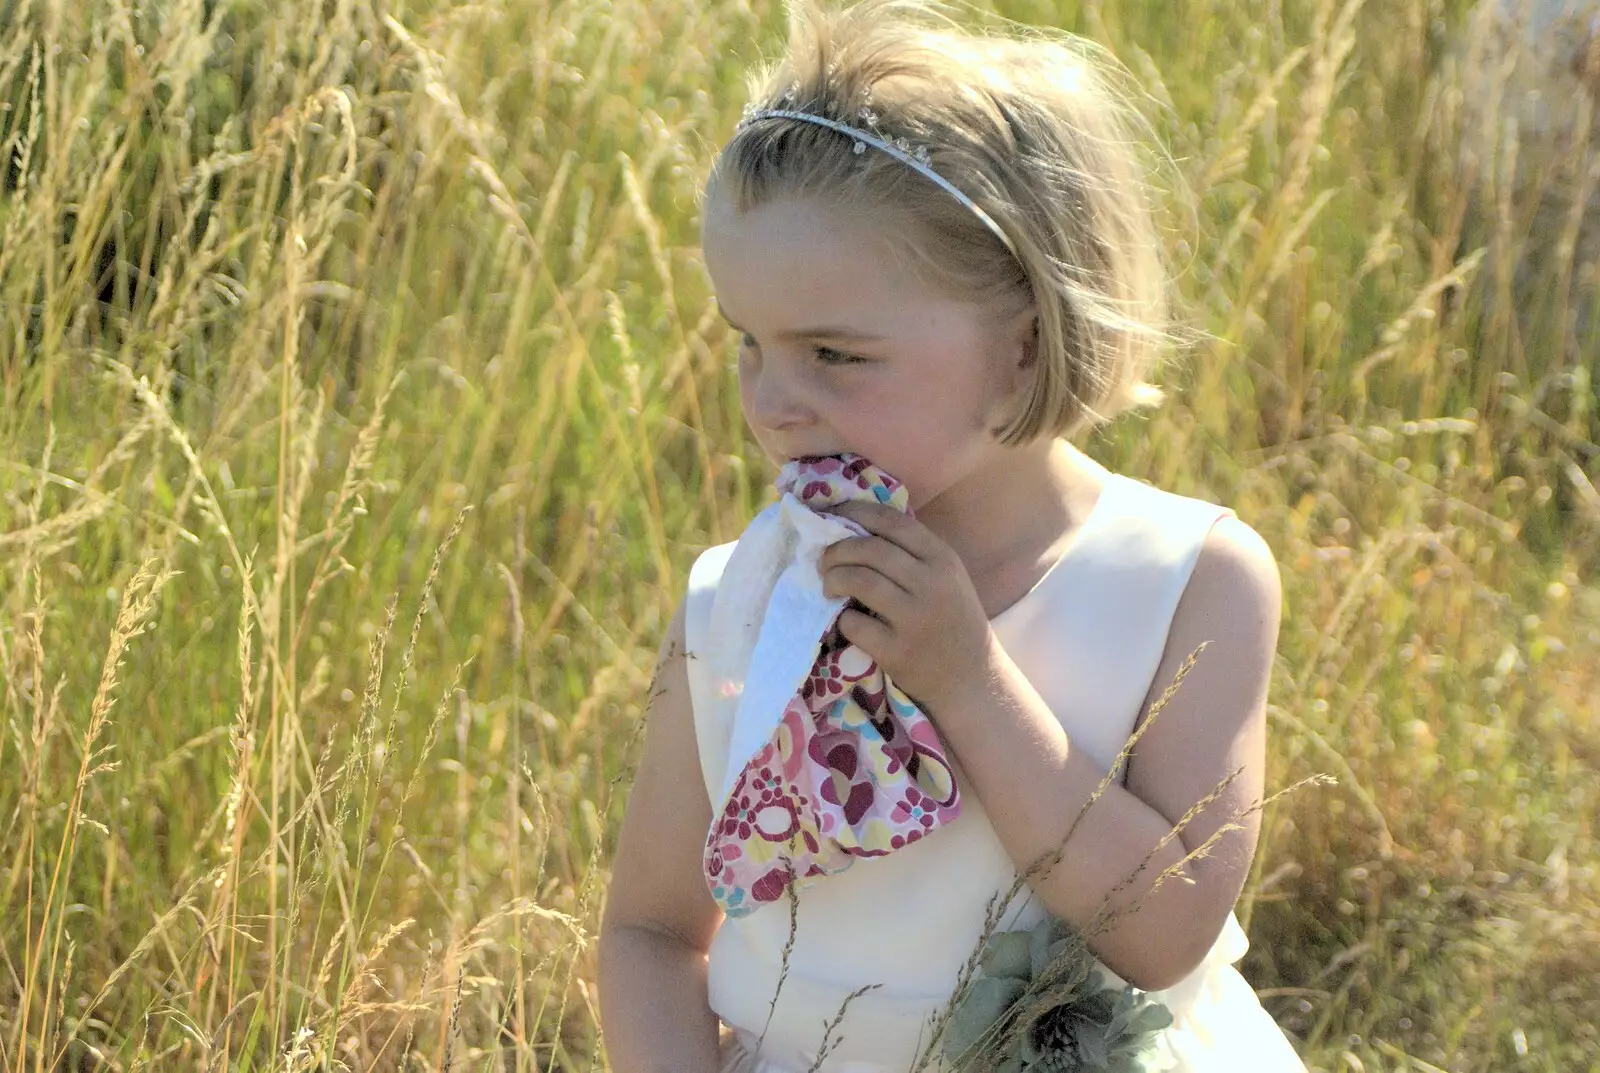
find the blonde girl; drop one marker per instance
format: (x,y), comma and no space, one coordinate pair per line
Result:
(938,251)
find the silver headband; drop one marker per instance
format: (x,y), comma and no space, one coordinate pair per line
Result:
(914,157)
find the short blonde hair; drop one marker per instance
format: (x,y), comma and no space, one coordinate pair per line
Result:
(1034,130)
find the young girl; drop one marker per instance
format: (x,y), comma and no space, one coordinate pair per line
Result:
(937,251)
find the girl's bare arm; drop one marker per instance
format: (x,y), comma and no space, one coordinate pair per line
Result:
(1033,781)
(659,917)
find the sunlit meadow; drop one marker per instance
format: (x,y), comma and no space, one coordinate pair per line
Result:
(365,404)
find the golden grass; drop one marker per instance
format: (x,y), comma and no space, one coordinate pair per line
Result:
(314,312)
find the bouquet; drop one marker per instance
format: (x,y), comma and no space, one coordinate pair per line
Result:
(1038,1002)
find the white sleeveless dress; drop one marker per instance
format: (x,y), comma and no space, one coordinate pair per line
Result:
(1089,636)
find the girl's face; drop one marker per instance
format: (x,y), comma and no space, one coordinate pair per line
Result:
(843,348)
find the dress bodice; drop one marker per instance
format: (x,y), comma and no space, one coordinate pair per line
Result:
(1089,636)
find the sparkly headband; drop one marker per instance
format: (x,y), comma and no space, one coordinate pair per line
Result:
(914,157)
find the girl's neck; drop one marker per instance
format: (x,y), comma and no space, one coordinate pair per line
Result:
(1005,518)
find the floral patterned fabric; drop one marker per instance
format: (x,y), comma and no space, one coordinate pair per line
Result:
(854,768)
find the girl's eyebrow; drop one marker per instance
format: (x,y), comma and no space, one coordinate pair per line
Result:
(821,331)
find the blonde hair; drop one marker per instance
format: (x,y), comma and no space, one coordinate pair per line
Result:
(1034,130)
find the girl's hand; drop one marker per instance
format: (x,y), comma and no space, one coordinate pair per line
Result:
(927,630)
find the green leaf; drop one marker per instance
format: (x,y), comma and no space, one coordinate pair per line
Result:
(1062,947)
(1040,940)
(984,1004)
(1006,954)
(1093,1046)
(1151,1017)
(1026,1049)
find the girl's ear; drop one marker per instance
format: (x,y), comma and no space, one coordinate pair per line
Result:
(1031,340)
(1019,366)
(1023,352)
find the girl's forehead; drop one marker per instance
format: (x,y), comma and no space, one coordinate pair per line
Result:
(799,252)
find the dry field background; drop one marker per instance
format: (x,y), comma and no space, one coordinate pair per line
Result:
(364,405)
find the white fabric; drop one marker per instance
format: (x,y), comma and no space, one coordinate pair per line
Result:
(1089,636)
(764,630)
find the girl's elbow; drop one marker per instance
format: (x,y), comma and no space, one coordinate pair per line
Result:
(1150,966)
(1167,970)
(1185,950)
(1159,950)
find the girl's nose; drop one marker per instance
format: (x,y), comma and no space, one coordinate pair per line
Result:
(775,403)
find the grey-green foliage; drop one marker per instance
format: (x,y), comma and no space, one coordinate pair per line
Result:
(1040,1003)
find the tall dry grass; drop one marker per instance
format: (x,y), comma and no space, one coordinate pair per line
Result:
(321,321)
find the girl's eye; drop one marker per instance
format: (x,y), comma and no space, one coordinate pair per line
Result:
(830,356)
(826,355)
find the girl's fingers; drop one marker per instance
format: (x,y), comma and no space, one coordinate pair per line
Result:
(862,630)
(895,527)
(888,559)
(867,585)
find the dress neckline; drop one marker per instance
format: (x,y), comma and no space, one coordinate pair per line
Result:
(1096,514)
